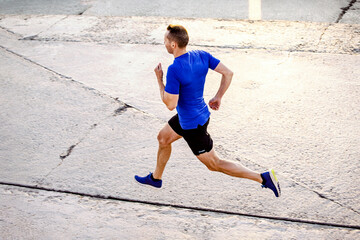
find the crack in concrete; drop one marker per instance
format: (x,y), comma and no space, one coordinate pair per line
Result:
(68,152)
(121,109)
(33,62)
(125,106)
(7,30)
(321,195)
(118,111)
(41,181)
(301,185)
(33,37)
(97,92)
(82,12)
(233,47)
(344,10)
(180,206)
(323,33)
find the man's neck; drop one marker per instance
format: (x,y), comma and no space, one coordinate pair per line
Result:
(179,51)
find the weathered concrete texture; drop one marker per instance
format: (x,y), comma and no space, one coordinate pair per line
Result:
(275,35)
(88,65)
(306,108)
(39,23)
(162,8)
(290,10)
(352,15)
(43,7)
(42,115)
(47,215)
(295,111)
(301,91)
(106,162)
(305,10)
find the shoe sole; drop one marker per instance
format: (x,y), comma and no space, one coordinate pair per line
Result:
(275,181)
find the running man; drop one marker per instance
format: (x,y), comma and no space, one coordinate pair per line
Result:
(184,91)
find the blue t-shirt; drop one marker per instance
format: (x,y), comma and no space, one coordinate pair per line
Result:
(186,77)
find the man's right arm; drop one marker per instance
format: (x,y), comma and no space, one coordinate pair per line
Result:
(226,78)
(170,100)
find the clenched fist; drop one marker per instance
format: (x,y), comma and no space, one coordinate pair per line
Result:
(215,103)
(159,72)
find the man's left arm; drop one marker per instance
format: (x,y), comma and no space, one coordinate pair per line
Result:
(226,78)
(170,100)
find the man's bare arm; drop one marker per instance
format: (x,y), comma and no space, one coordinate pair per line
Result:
(170,100)
(226,78)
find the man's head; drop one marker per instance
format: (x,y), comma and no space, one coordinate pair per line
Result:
(176,36)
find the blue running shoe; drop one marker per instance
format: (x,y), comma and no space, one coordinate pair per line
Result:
(270,181)
(149,180)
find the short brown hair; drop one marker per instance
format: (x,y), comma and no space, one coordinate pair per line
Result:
(178,34)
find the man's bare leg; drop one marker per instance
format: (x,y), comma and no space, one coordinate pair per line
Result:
(214,163)
(166,136)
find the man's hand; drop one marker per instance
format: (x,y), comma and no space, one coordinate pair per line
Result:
(215,103)
(226,78)
(170,100)
(159,72)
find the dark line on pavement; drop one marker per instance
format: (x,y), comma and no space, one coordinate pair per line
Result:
(68,152)
(233,47)
(72,80)
(121,109)
(9,31)
(344,10)
(83,11)
(159,204)
(37,64)
(321,195)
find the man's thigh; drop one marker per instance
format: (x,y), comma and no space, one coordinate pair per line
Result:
(167,135)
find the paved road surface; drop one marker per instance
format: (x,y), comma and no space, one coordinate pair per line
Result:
(80,114)
(344,11)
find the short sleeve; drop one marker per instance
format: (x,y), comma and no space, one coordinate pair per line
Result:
(213,62)
(172,84)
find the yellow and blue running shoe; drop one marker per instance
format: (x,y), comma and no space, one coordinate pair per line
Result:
(270,181)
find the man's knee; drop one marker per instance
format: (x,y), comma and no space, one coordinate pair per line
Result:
(167,136)
(163,139)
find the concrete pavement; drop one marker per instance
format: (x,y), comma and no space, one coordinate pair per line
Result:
(66,86)
(331,11)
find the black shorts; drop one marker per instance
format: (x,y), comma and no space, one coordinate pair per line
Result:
(198,139)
